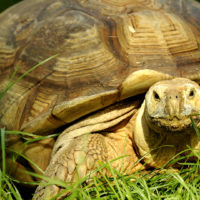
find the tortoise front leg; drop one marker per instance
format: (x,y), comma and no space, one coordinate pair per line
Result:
(81,156)
(73,162)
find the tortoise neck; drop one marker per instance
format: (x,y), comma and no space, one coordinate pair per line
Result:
(144,138)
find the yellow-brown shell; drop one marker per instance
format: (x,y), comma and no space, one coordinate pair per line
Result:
(99,44)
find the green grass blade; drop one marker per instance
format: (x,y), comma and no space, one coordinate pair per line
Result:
(126,189)
(13,190)
(14,73)
(115,179)
(1,184)
(30,137)
(10,82)
(195,127)
(48,180)
(40,138)
(3,152)
(26,158)
(110,184)
(183,183)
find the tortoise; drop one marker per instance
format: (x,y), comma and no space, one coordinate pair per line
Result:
(109,53)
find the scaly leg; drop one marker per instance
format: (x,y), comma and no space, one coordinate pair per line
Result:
(81,157)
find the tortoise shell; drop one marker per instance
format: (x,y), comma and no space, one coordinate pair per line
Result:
(99,44)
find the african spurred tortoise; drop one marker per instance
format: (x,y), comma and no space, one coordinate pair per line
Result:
(109,52)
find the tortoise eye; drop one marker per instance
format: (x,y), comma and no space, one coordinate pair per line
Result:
(191,94)
(156,96)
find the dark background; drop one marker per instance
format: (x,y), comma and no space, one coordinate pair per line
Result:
(7,3)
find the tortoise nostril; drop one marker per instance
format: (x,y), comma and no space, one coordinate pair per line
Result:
(173,97)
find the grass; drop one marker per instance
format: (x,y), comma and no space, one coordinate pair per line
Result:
(182,185)
(169,185)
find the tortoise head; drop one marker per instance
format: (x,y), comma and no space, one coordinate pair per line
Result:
(171,103)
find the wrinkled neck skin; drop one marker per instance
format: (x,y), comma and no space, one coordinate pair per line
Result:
(159,148)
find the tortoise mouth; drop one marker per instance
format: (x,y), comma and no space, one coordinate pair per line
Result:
(173,125)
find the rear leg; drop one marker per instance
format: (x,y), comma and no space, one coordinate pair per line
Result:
(38,153)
